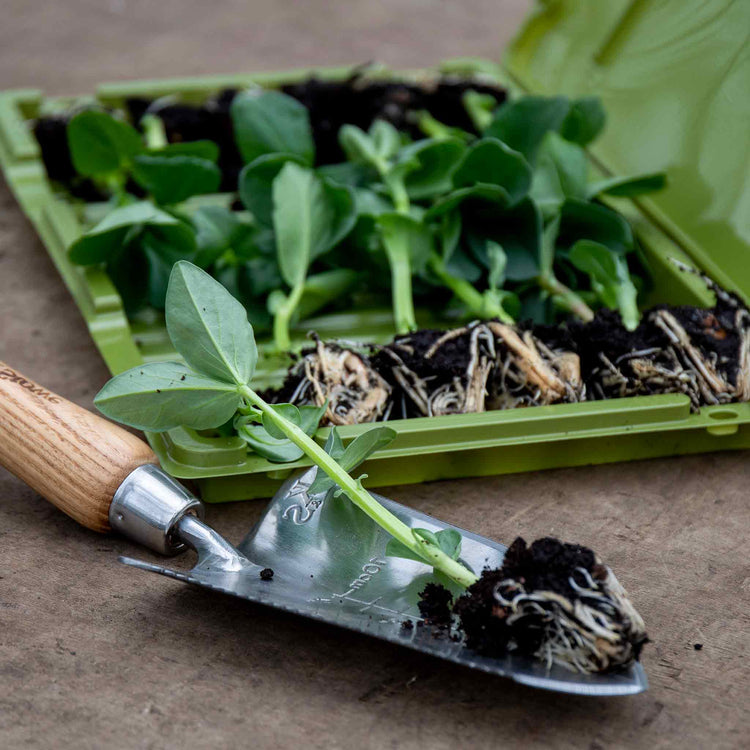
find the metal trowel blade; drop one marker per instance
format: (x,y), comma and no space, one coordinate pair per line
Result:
(329,564)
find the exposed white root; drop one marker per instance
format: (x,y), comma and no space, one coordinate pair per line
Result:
(597,630)
(355,392)
(742,386)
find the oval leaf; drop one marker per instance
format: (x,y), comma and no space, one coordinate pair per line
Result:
(256,184)
(522,123)
(584,121)
(99,143)
(580,220)
(173,179)
(267,122)
(124,225)
(628,186)
(434,163)
(208,326)
(491,162)
(364,445)
(216,230)
(271,448)
(201,149)
(358,146)
(288,412)
(489,194)
(310,217)
(164,395)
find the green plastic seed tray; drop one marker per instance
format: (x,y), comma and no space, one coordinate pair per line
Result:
(673,76)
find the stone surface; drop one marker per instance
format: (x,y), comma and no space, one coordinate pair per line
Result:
(93,654)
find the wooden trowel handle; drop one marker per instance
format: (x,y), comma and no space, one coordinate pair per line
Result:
(70,456)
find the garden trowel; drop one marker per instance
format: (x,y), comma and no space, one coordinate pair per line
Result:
(328,558)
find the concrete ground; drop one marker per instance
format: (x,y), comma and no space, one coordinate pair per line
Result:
(94,655)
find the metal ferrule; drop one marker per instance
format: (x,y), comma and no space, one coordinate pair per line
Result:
(148,506)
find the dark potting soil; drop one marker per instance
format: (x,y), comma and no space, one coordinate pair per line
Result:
(715,332)
(51,134)
(435,605)
(547,564)
(357,100)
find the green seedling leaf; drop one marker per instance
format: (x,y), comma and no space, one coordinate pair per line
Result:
(584,121)
(373,148)
(267,122)
(433,128)
(480,108)
(490,162)
(522,123)
(580,220)
(164,395)
(161,255)
(426,535)
(100,144)
(334,445)
(289,412)
(202,149)
(310,416)
(217,229)
(361,448)
(427,166)
(369,203)
(323,288)
(256,184)
(518,230)
(258,439)
(268,440)
(127,225)
(310,217)
(348,173)
(568,163)
(491,195)
(174,179)
(449,540)
(358,146)
(208,327)
(610,278)
(385,138)
(364,445)
(628,186)
(546,190)
(394,548)
(461,266)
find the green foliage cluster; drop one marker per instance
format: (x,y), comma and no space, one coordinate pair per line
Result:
(508,221)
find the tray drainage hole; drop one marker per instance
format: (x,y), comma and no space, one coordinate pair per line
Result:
(723,414)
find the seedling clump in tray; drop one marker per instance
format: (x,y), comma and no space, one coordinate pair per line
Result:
(440,195)
(703,353)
